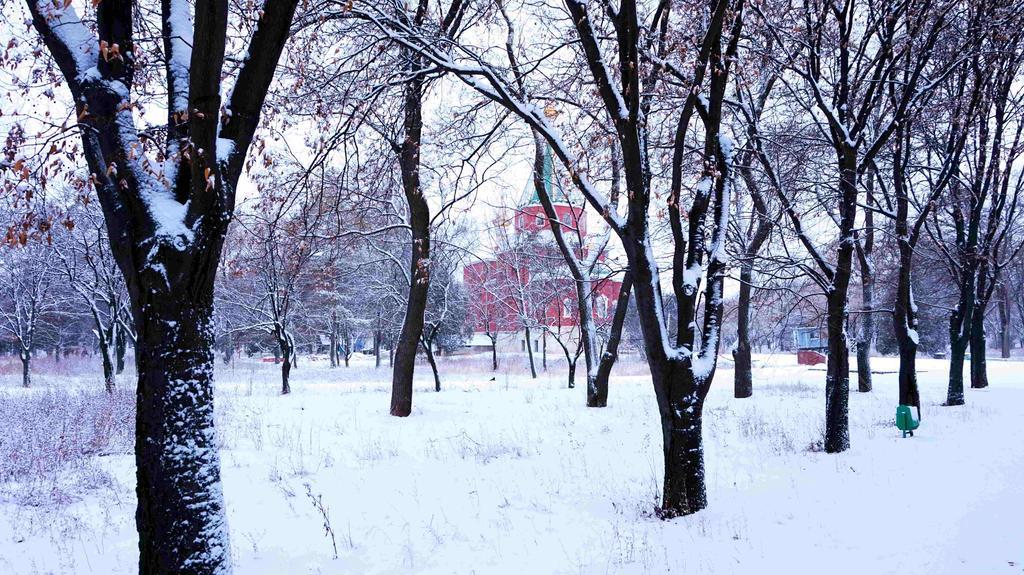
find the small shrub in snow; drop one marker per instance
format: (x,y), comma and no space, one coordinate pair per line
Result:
(51,437)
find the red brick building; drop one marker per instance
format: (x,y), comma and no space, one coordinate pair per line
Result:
(526,282)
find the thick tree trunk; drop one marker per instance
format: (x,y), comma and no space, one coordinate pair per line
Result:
(1004,323)
(905,316)
(404,359)
(599,397)
(743,378)
(681,421)
(26,369)
(180,515)
(121,345)
(837,377)
(979,368)
(494,353)
(529,353)
(908,390)
(960,323)
(837,380)
(108,365)
(286,364)
(419,223)
(572,375)
(955,392)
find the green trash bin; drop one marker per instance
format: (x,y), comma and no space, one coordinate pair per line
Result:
(905,420)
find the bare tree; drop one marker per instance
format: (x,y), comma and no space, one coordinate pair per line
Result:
(167,203)
(682,370)
(848,58)
(90,270)
(974,237)
(27,279)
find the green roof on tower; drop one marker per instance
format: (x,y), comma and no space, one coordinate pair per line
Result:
(553,184)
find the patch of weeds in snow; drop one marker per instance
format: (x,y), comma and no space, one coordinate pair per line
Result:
(51,438)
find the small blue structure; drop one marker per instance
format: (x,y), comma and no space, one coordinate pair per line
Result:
(810,338)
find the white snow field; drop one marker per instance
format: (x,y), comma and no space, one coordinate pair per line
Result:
(514,476)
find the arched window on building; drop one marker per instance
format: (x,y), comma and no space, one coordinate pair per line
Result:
(540,221)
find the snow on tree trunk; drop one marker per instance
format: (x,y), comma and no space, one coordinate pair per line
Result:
(867,333)
(26,368)
(684,489)
(180,516)
(108,365)
(285,348)
(837,377)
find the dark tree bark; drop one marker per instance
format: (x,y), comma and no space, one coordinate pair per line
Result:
(743,377)
(428,349)
(979,371)
(571,358)
(529,352)
(121,347)
(961,319)
(905,310)
(837,378)
(376,342)
(494,350)
(1005,341)
(285,346)
(181,508)
(681,370)
(611,349)
(419,223)
(108,365)
(333,338)
(979,343)
(170,263)
(419,211)
(346,340)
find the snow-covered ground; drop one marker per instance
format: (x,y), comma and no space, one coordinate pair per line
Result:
(518,476)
